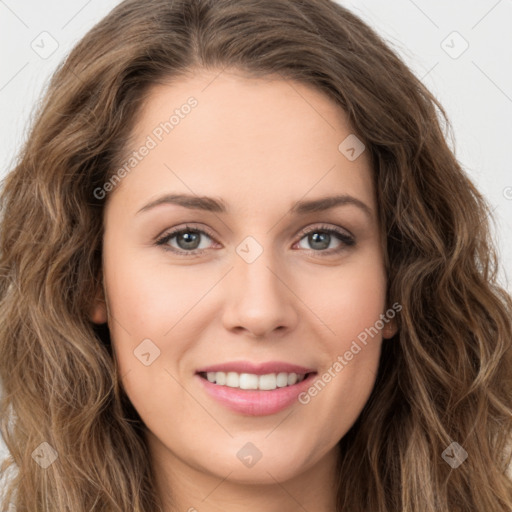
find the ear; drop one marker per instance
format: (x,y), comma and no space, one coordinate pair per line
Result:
(98,313)
(390,329)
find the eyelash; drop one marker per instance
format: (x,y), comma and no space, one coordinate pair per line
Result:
(347,240)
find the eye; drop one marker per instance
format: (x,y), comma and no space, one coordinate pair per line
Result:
(320,238)
(187,240)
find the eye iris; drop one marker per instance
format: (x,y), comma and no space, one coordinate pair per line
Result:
(321,238)
(190,238)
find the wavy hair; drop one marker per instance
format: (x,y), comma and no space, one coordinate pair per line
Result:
(446,376)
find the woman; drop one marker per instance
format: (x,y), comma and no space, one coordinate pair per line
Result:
(242,270)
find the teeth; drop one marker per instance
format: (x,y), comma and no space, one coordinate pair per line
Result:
(220,379)
(292,379)
(265,382)
(248,381)
(282,380)
(268,382)
(232,380)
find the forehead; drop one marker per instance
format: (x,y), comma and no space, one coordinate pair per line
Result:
(254,141)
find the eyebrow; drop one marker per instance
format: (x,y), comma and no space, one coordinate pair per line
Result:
(217,205)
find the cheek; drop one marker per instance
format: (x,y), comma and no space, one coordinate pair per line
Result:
(349,305)
(348,300)
(150,335)
(148,298)
(155,318)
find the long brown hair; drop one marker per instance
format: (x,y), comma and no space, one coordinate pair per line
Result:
(445,377)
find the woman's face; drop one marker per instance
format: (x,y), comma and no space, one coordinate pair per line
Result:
(244,296)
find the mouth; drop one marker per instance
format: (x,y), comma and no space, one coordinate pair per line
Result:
(255,390)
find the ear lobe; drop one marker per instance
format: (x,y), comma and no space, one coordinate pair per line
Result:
(98,313)
(390,329)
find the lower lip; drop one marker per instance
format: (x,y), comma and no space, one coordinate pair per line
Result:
(256,402)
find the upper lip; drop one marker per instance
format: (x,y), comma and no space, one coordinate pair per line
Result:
(256,368)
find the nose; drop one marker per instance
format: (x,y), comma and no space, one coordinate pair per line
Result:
(260,301)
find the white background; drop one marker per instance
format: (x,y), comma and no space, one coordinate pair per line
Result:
(475,88)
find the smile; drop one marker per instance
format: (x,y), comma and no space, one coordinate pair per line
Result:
(255,390)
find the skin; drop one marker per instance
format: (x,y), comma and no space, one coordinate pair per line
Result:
(260,145)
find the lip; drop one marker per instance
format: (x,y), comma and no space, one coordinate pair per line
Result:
(255,402)
(256,368)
